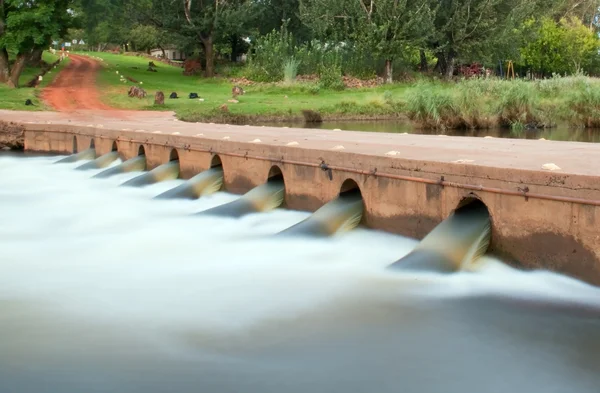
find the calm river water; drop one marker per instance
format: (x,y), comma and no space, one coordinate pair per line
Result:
(561,133)
(103,289)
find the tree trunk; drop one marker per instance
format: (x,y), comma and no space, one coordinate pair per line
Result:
(4,67)
(35,58)
(424,65)
(440,66)
(15,72)
(210,57)
(450,64)
(388,74)
(234,48)
(163,52)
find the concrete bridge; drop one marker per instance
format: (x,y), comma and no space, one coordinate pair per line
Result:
(543,215)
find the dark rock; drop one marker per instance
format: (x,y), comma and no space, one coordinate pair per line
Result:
(193,95)
(173,95)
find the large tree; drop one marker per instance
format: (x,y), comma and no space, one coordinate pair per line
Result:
(382,27)
(475,29)
(25,27)
(209,20)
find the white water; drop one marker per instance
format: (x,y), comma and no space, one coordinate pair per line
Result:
(103,289)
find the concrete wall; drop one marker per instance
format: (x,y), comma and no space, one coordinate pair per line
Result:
(532,232)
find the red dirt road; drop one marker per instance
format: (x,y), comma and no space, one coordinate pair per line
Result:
(75,87)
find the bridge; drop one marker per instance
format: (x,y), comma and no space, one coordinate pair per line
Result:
(543,196)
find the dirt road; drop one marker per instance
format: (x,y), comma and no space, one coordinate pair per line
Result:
(75,87)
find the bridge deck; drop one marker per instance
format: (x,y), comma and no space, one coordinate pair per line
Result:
(576,158)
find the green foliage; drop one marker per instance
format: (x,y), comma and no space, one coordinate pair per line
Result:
(584,106)
(564,47)
(431,106)
(31,25)
(270,51)
(517,102)
(144,37)
(331,77)
(383,30)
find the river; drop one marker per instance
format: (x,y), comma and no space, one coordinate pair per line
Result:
(103,289)
(560,133)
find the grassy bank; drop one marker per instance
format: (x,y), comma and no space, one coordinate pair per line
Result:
(475,103)
(14,99)
(518,104)
(261,102)
(470,104)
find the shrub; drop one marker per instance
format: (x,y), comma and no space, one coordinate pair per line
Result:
(331,77)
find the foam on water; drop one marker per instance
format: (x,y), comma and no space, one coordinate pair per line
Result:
(100,282)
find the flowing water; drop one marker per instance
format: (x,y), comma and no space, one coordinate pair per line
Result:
(105,289)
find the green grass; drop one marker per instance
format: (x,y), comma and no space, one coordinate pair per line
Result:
(14,99)
(260,102)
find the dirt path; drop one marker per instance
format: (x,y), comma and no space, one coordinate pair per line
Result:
(75,87)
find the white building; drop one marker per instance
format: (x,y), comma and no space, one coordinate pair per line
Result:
(171,52)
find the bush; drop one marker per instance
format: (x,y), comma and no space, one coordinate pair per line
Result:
(331,77)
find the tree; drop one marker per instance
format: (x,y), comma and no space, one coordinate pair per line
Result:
(563,47)
(144,37)
(382,27)
(26,26)
(209,20)
(475,28)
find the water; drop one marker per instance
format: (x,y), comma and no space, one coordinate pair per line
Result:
(103,289)
(560,133)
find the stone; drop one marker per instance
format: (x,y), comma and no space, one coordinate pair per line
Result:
(233,101)
(237,91)
(136,92)
(159,98)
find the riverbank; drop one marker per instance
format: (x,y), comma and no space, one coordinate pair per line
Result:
(14,99)
(427,104)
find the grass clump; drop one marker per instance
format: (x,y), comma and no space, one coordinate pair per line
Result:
(290,71)
(517,103)
(431,106)
(584,107)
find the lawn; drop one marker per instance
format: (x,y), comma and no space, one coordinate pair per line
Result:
(260,101)
(14,99)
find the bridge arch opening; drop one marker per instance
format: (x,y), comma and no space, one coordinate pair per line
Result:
(472,202)
(275,174)
(215,161)
(92,144)
(74,147)
(141,151)
(174,155)
(350,187)
(114,146)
